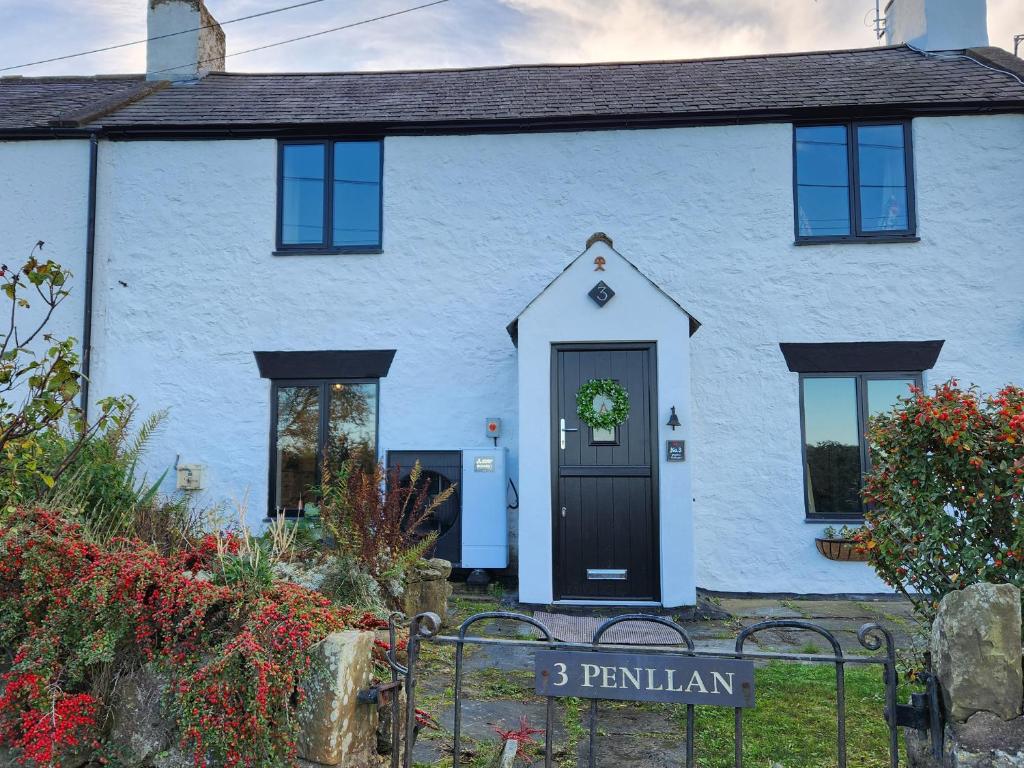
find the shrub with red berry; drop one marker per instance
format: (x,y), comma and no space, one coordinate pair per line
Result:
(946,492)
(73,610)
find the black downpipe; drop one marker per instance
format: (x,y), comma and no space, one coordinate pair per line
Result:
(90,259)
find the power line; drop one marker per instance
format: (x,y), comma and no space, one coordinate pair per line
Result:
(304,37)
(162,37)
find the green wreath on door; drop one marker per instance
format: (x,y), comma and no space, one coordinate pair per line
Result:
(606,418)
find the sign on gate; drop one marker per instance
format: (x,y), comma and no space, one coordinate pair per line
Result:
(669,678)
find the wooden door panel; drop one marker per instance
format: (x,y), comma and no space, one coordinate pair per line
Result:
(605,518)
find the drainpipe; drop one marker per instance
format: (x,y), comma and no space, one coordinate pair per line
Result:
(90,258)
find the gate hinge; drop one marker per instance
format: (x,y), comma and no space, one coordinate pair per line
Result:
(917,714)
(372,695)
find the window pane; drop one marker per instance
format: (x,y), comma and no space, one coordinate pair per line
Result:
(353,421)
(302,190)
(833,440)
(823,180)
(883,394)
(883,178)
(357,193)
(298,426)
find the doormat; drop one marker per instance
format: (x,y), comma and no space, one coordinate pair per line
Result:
(581,629)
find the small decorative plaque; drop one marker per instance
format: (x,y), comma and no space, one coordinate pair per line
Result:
(601,293)
(675,450)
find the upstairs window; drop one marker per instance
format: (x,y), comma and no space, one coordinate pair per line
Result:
(329,196)
(854,182)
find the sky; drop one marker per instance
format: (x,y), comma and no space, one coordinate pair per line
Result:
(459,33)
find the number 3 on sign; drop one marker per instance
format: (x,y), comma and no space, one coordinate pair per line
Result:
(560,669)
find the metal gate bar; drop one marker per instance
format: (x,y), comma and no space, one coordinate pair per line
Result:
(426,627)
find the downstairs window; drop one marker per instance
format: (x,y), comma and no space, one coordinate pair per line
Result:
(835,409)
(317,422)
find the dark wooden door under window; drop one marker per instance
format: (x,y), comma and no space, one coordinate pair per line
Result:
(605,482)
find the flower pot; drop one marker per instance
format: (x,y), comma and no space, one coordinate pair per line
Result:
(841,549)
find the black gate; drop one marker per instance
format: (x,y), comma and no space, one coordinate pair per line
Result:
(876,640)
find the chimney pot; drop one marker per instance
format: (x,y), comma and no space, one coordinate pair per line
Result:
(186,56)
(937,25)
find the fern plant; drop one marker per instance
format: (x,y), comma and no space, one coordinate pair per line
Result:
(100,483)
(376,522)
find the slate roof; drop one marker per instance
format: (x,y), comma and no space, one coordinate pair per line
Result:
(784,84)
(621,94)
(37,102)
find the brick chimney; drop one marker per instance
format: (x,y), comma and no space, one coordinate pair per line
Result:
(186,56)
(937,25)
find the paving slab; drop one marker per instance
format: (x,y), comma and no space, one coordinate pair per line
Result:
(514,658)
(633,735)
(762,608)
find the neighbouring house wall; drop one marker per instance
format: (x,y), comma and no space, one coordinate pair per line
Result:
(476,226)
(45,187)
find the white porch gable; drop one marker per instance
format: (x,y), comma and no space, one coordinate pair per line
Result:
(564,314)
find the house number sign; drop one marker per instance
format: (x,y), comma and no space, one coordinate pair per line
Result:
(601,293)
(668,678)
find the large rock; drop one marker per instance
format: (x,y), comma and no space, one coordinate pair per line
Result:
(337,728)
(976,651)
(140,728)
(427,588)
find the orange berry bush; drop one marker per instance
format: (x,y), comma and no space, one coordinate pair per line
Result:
(946,492)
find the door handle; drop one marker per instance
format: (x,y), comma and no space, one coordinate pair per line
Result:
(561,433)
(563,511)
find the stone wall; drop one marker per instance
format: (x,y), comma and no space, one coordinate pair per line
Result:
(427,589)
(976,657)
(337,728)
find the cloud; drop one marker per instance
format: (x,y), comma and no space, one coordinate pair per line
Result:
(589,30)
(463,33)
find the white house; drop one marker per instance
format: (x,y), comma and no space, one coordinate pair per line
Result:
(758,251)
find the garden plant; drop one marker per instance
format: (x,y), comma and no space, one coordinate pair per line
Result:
(946,492)
(103,579)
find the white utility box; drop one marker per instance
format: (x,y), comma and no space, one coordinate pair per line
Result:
(190,477)
(484,508)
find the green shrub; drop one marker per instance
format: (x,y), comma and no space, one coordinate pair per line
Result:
(945,492)
(39,381)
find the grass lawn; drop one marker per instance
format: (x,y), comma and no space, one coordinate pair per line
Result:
(794,722)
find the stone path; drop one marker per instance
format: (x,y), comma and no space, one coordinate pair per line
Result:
(498,681)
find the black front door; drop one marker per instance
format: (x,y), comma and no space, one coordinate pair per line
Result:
(606,481)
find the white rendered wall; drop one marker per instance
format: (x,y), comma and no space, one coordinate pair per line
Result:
(637,312)
(44,197)
(476,226)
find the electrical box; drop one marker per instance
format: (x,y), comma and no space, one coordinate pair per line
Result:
(492,427)
(190,477)
(484,508)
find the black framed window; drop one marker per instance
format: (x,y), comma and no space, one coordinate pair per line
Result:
(834,412)
(313,421)
(854,181)
(329,196)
